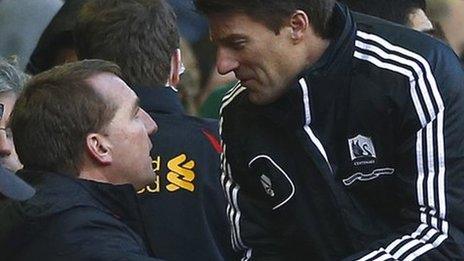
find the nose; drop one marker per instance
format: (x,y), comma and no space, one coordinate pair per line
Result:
(5,144)
(150,124)
(225,62)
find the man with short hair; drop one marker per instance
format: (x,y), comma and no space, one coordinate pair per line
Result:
(184,206)
(84,142)
(343,138)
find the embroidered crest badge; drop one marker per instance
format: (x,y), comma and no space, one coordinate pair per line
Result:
(361,147)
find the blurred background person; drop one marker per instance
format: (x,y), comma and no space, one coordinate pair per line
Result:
(449,17)
(11,84)
(410,13)
(56,46)
(199,81)
(193,27)
(21,25)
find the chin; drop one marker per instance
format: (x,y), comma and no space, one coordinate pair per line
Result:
(138,187)
(11,164)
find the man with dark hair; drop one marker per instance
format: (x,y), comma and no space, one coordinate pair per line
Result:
(343,138)
(83,141)
(143,41)
(410,13)
(184,206)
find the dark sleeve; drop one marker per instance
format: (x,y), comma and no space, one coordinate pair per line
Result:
(249,212)
(89,234)
(431,159)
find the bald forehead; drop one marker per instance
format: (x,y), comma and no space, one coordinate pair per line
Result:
(109,86)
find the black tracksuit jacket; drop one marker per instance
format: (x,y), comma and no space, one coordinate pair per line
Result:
(362,158)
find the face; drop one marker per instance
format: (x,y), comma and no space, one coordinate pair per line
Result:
(128,133)
(452,25)
(419,21)
(8,157)
(263,61)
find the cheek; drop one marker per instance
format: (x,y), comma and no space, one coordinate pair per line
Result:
(139,137)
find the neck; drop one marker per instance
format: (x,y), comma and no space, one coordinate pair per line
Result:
(93,176)
(315,49)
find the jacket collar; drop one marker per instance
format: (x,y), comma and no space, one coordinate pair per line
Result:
(121,200)
(58,192)
(334,65)
(160,99)
(340,48)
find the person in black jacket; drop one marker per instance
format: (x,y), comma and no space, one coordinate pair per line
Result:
(84,143)
(184,206)
(343,138)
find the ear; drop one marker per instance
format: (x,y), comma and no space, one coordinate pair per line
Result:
(176,64)
(99,149)
(299,23)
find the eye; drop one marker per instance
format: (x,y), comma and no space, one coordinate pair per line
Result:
(137,113)
(238,44)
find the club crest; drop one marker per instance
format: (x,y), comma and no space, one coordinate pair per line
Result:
(361,147)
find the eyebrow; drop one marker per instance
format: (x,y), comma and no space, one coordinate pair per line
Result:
(2,110)
(229,38)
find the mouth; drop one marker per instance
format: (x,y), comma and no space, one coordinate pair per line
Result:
(246,82)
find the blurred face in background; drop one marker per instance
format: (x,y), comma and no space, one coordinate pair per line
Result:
(452,25)
(449,14)
(419,21)
(8,157)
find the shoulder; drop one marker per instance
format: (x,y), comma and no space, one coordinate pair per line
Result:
(89,219)
(412,54)
(91,229)
(204,123)
(385,38)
